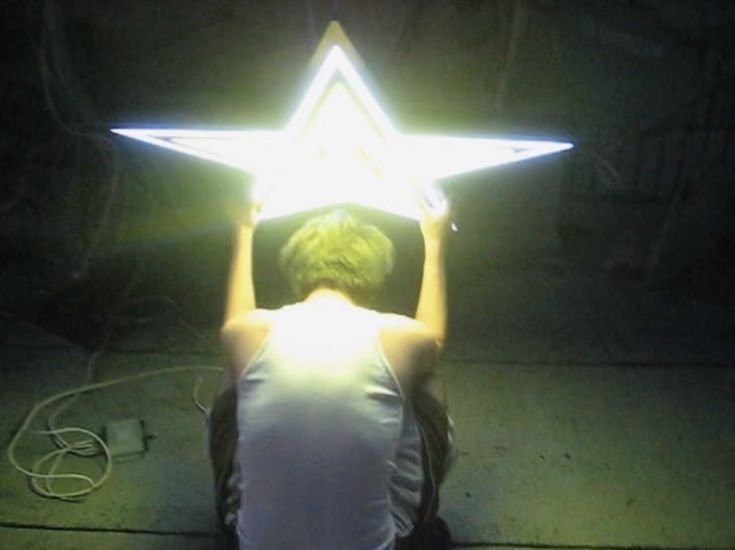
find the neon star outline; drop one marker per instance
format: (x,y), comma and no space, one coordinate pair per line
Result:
(319,159)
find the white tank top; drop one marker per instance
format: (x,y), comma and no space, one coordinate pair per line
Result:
(328,451)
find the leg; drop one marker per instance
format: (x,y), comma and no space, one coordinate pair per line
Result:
(222,442)
(430,408)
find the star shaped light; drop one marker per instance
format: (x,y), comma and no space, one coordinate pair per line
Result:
(340,147)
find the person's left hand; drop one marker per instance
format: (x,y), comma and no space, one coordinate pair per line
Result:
(435,212)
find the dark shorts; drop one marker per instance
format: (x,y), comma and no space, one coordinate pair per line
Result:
(436,450)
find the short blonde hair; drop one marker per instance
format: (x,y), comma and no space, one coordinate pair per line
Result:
(339,252)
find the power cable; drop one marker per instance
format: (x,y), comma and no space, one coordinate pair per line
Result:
(335,9)
(41,482)
(45,470)
(52,70)
(312,25)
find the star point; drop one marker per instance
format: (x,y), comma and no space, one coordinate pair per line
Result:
(340,146)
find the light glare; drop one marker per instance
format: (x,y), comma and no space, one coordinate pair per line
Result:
(340,148)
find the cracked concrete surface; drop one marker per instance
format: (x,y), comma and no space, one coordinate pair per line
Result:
(564,439)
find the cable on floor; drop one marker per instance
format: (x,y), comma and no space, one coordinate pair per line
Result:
(42,483)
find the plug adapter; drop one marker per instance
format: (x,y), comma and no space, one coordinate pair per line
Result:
(126,438)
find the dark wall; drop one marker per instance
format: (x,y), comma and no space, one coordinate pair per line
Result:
(644,88)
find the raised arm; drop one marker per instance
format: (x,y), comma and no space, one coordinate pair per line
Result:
(240,297)
(240,294)
(432,306)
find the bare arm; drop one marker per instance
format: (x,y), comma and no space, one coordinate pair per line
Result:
(240,297)
(432,306)
(240,293)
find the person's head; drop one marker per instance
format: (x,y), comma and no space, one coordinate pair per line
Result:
(338,252)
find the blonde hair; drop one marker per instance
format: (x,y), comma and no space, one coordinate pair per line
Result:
(339,252)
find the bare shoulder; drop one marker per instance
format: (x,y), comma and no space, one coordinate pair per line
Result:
(408,346)
(405,328)
(243,335)
(256,319)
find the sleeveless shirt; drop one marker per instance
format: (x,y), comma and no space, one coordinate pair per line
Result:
(328,449)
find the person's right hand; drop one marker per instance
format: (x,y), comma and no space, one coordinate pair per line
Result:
(249,217)
(244,210)
(435,212)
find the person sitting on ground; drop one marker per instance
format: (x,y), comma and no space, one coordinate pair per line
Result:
(330,429)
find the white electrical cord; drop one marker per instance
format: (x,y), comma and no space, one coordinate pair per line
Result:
(94,446)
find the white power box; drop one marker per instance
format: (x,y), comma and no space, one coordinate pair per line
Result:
(126,438)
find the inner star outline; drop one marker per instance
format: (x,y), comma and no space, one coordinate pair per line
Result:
(340,147)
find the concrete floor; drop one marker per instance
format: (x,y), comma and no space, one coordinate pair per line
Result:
(587,416)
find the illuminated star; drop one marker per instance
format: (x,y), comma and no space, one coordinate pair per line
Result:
(340,147)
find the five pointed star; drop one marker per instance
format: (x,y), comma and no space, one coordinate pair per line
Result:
(340,147)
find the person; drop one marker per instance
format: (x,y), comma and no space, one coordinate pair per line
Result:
(330,429)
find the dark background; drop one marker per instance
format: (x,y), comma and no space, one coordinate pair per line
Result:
(95,227)
(589,365)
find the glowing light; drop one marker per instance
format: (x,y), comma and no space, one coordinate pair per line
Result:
(340,147)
